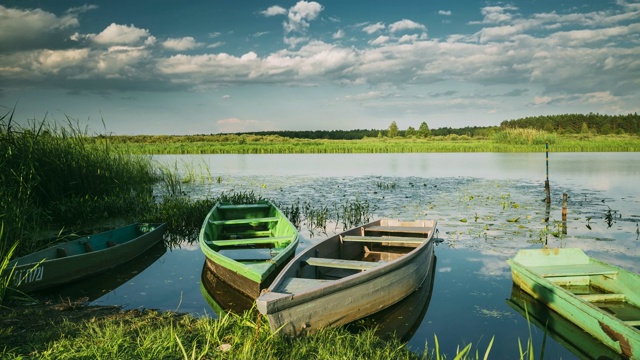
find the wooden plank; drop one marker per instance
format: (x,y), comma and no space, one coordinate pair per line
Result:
(342,264)
(244,206)
(245,221)
(247,254)
(572,270)
(401,239)
(400,229)
(250,241)
(632,322)
(298,285)
(603,297)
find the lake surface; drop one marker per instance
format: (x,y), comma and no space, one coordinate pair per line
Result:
(488,206)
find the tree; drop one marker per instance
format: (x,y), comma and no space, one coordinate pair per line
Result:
(423,130)
(411,131)
(393,130)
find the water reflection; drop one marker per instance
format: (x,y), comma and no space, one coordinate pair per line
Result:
(402,319)
(221,296)
(97,286)
(563,331)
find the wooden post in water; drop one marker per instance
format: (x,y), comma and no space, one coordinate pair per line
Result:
(546,183)
(564,213)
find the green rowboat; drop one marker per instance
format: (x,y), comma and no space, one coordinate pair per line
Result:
(601,299)
(246,245)
(83,257)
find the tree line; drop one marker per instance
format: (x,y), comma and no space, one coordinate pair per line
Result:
(561,124)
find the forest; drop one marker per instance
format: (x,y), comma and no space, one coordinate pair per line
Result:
(562,124)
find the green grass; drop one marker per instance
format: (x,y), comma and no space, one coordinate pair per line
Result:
(518,140)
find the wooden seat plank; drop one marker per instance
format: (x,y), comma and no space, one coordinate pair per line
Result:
(260,240)
(400,229)
(342,264)
(245,221)
(298,285)
(573,270)
(603,297)
(401,239)
(247,254)
(244,206)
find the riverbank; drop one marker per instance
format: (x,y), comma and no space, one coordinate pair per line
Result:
(255,144)
(71,330)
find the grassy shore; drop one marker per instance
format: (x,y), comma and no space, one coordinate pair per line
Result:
(506,141)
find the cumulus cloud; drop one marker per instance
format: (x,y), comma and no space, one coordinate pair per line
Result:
(181,44)
(444,12)
(274,11)
(24,29)
(301,14)
(405,25)
(338,34)
(115,34)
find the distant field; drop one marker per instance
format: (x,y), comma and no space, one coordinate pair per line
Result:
(243,144)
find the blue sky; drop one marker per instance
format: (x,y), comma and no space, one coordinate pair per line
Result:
(201,67)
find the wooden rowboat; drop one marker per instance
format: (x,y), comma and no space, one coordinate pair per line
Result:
(246,245)
(83,257)
(564,332)
(349,276)
(601,299)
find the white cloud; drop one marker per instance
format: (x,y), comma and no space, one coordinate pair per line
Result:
(235,125)
(444,12)
(370,29)
(382,39)
(301,14)
(404,25)
(338,34)
(120,34)
(21,27)
(181,44)
(274,11)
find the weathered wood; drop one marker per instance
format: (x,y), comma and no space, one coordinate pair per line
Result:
(246,245)
(250,241)
(599,298)
(243,206)
(324,286)
(381,239)
(572,270)
(245,221)
(84,257)
(342,264)
(603,297)
(297,285)
(400,229)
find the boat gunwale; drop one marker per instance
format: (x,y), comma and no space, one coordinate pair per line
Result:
(288,300)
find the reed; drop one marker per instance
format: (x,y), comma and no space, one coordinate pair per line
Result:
(62,177)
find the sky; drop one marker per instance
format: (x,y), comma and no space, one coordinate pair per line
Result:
(219,66)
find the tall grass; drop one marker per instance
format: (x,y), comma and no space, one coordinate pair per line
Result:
(55,177)
(524,137)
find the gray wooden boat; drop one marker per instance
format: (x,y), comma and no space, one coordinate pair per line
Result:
(83,257)
(349,276)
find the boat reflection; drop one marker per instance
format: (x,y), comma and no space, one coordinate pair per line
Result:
(401,320)
(221,296)
(97,286)
(563,331)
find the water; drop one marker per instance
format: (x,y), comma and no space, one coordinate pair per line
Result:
(488,205)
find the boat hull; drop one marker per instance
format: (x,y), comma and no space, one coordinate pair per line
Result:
(247,245)
(545,276)
(83,257)
(338,302)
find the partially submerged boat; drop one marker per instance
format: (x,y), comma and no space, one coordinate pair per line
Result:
(83,257)
(601,299)
(247,244)
(349,276)
(580,343)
